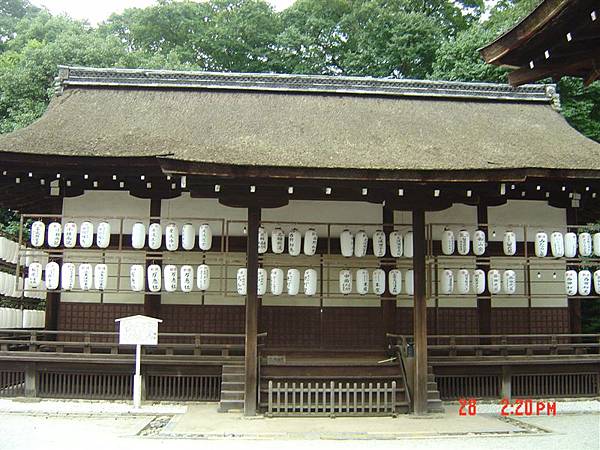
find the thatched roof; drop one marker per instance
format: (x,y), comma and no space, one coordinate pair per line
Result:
(301,121)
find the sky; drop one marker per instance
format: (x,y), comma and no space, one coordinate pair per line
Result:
(95,11)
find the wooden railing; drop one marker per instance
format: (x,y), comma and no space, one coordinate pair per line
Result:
(14,342)
(505,345)
(400,350)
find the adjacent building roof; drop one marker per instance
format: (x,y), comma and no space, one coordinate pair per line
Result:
(304,122)
(559,38)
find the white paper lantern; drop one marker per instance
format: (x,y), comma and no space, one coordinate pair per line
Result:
(100,276)
(35,274)
(103,235)
(361,244)
(396,247)
(463,242)
(463,281)
(263,240)
(261,285)
(310,282)
(54,234)
(205,237)
(408,245)
(494,281)
(597,282)
(448,242)
(311,239)
(584,281)
(67,276)
(86,234)
(186,274)
(571,282)
(136,277)
(509,282)
(541,244)
(479,242)
(570,245)
(379,244)
(276,281)
(509,243)
(395,282)
(154,278)
(18,321)
(172,237)
(70,235)
(557,244)
(479,281)
(85,276)
(51,275)
(347,243)
(155,236)
(294,242)
(293,281)
(379,281)
(28,318)
(447,282)
(203,277)
(188,236)
(409,282)
(596,244)
(585,244)
(138,235)
(242,281)
(170,277)
(345,281)
(3,248)
(277,241)
(362,281)
(38,231)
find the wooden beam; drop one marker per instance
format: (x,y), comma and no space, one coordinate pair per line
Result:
(420,313)
(574,304)
(251,350)
(53,298)
(484,305)
(388,301)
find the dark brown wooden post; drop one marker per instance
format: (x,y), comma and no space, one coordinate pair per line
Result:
(53,298)
(574,303)
(387,263)
(251,353)
(419,312)
(152,301)
(484,305)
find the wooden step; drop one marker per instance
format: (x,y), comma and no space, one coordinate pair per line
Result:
(232,395)
(233,368)
(231,406)
(233,377)
(233,386)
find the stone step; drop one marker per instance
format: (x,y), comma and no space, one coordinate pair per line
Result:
(433,395)
(233,377)
(232,395)
(233,386)
(435,406)
(237,368)
(432,386)
(231,406)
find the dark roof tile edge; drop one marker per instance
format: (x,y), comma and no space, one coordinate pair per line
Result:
(143,78)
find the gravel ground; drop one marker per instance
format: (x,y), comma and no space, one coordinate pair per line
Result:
(52,425)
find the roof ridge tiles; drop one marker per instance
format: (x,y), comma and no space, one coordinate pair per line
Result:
(170,79)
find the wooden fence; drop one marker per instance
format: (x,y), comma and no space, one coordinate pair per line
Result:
(331,399)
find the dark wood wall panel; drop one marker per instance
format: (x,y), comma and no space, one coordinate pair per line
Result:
(291,326)
(94,316)
(202,318)
(353,328)
(510,321)
(457,321)
(549,320)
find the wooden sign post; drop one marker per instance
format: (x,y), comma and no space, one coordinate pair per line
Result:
(138,330)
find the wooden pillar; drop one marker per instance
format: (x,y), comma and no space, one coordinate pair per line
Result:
(251,354)
(484,305)
(387,263)
(152,301)
(419,312)
(53,298)
(574,303)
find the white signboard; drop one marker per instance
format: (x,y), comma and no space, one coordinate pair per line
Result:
(140,330)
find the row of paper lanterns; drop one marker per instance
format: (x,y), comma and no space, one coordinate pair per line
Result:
(170,276)
(10,288)
(69,234)
(278,281)
(581,282)
(9,250)
(171,236)
(11,318)
(463,282)
(357,244)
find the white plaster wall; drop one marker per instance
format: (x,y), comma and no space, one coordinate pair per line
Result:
(536,214)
